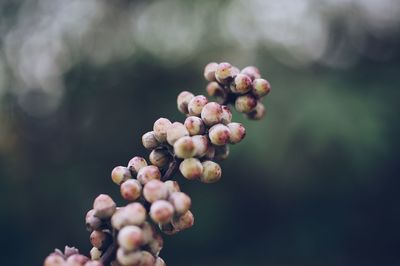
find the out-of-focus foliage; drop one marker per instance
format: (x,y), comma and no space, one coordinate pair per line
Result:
(315,183)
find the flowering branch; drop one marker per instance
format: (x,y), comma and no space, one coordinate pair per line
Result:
(131,235)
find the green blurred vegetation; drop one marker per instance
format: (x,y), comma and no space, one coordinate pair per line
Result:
(314,183)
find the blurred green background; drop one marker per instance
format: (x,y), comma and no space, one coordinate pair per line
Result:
(314,183)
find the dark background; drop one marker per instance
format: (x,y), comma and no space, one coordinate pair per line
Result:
(314,183)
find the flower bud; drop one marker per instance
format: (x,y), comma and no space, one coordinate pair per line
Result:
(195,125)
(136,163)
(93,222)
(183,100)
(176,131)
(191,168)
(252,72)
(184,148)
(148,173)
(126,258)
(147,259)
(104,206)
(100,239)
(219,134)
(223,72)
(215,90)
(160,129)
(68,251)
(159,157)
(155,190)
(95,253)
(160,262)
(245,103)
(120,174)
(181,202)
(93,263)
(156,245)
(161,211)
(261,87)
(211,172)
(234,71)
(149,140)
(132,214)
(130,237)
(221,152)
(211,113)
(258,113)
(241,84)
(196,105)
(209,71)
(148,233)
(131,189)
(172,186)
(226,116)
(238,132)
(76,260)
(201,144)
(54,259)
(184,221)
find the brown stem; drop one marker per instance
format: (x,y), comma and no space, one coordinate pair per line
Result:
(173,167)
(110,254)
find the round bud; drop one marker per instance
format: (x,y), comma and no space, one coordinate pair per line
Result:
(148,173)
(238,132)
(184,221)
(130,237)
(149,140)
(120,174)
(195,125)
(95,253)
(132,214)
(210,153)
(156,245)
(215,90)
(181,202)
(172,186)
(241,84)
(258,113)
(76,260)
(183,100)
(160,129)
(104,206)
(211,172)
(147,259)
(252,72)
(191,168)
(93,263)
(221,152)
(126,258)
(223,72)
(211,113)
(261,87)
(245,103)
(159,157)
(68,251)
(196,105)
(160,262)
(148,233)
(161,211)
(167,229)
(136,163)
(131,189)
(226,115)
(201,144)
(54,259)
(100,239)
(93,222)
(176,131)
(219,134)
(234,71)
(155,190)
(184,148)
(209,71)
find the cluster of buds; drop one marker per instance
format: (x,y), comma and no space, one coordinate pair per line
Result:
(131,235)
